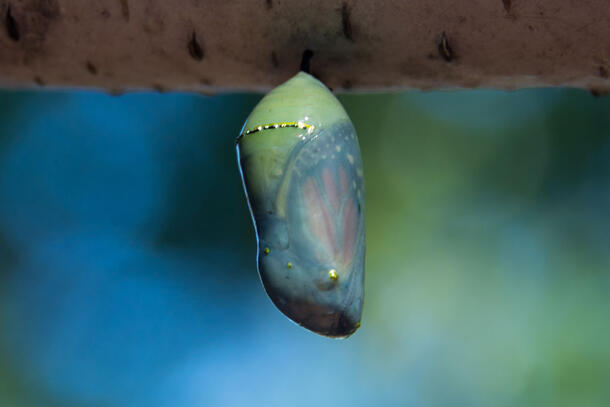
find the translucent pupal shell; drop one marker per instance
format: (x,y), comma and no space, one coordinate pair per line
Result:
(302,172)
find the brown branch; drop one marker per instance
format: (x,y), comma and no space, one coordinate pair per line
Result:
(219,45)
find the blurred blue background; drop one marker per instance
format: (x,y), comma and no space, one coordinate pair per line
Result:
(128,273)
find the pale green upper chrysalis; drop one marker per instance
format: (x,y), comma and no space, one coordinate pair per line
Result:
(301,168)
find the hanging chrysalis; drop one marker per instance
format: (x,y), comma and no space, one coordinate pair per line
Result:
(302,172)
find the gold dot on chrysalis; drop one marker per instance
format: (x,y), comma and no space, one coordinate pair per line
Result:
(332,274)
(266,250)
(289,265)
(357,325)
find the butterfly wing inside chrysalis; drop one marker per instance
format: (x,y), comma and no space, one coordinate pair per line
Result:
(302,173)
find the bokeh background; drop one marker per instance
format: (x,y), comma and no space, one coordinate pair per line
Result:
(127,255)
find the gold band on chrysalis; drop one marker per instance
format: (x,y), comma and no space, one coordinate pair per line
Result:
(279,125)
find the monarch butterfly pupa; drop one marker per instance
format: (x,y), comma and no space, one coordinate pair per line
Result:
(302,173)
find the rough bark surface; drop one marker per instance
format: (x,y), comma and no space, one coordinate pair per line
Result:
(219,45)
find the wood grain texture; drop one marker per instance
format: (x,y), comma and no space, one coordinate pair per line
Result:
(215,46)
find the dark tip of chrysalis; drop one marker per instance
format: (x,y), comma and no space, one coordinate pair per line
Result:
(305,61)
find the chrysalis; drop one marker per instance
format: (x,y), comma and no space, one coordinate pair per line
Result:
(302,172)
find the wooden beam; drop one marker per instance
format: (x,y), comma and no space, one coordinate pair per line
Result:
(218,45)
